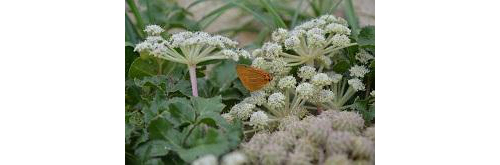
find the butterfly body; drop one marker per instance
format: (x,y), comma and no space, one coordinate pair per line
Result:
(253,78)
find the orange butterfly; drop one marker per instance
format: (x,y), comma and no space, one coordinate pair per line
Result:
(252,78)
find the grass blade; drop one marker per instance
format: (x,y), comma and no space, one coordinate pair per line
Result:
(296,14)
(276,16)
(255,14)
(352,19)
(137,15)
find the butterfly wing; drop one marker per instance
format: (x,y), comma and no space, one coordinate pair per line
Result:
(252,78)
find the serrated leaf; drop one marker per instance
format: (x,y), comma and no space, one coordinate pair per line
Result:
(367,36)
(155,107)
(161,129)
(181,111)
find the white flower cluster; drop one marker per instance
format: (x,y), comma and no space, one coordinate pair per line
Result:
(324,96)
(276,100)
(356,84)
(314,140)
(287,82)
(153,30)
(184,39)
(321,79)
(307,72)
(236,54)
(259,119)
(363,56)
(277,66)
(189,48)
(257,98)
(242,110)
(234,158)
(358,71)
(155,44)
(305,90)
(335,77)
(313,32)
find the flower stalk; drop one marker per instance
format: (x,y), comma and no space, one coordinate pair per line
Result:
(192,77)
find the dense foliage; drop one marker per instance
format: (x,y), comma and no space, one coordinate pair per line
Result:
(185,103)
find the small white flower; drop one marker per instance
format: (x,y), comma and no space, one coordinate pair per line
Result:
(259,119)
(315,37)
(256,97)
(143,46)
(230,54)
(200,39)
(292,42)
(154,39)
(340,40)
(358,71)
(271,50)
(356,84)
(305,90)
(229,118)
(287,82)
(325,95)
(336,77)
(276,100)
(279,35)
(242,110)
(153,30)
(278,66)
(328,18)
(243,53)
(206,160)
(260,62)
(234,158)
(321,79)
(363,56)
(338,29)
(372,93)
(306,72)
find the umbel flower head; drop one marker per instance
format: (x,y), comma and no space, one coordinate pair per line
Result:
(311,41)
(189,48)
(313,140)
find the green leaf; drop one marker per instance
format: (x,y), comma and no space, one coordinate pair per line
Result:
(155,147)
(212,143)
(207,105)
(223,74)
(130,56)
(367,36)
(161,129)
(181,111)
(150,66)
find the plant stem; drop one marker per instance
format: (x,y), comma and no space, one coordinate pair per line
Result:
(192,76)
